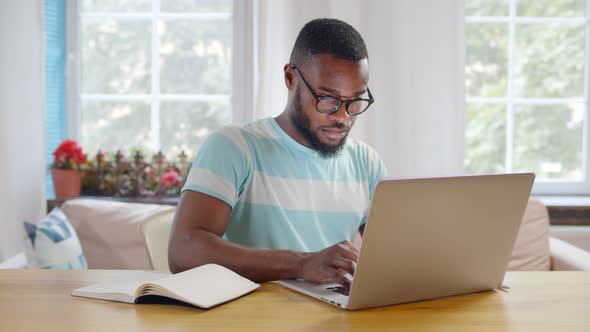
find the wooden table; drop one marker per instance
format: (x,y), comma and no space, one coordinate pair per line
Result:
(39,300)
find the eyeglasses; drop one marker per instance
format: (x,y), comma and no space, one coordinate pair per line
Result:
(329,104)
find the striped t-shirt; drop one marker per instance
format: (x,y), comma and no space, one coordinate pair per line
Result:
(284,195)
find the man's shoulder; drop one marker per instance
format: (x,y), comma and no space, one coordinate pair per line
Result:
(257,129)
(260,129)
(224,136)
(244,138)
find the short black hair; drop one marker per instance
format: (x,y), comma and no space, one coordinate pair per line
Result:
(328,36)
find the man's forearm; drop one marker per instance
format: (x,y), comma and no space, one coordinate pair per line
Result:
(260,265)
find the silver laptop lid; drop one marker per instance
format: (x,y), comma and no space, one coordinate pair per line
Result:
(435,237)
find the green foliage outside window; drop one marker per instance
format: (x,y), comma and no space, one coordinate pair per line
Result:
(548,65)
(118,92)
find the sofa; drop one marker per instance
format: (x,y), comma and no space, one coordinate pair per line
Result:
(536,250)
(109,233)
(110,237)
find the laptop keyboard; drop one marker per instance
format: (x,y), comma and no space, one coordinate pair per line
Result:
(339,289)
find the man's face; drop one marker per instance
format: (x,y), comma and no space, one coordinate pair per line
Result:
(328,76)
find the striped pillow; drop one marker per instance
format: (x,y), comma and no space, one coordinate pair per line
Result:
(52,243)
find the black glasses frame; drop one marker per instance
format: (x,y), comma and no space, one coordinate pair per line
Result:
(319,98)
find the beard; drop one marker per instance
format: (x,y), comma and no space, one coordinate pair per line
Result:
(302,124)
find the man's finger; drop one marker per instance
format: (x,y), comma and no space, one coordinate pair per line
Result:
(348,254)
(342,277)
(348,265)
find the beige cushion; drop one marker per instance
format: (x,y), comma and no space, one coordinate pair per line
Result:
(109,231)
(531,250)
(156,233)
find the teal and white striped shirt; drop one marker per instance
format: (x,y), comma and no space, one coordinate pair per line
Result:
(283,194)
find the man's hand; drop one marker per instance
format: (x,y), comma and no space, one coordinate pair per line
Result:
(333,263)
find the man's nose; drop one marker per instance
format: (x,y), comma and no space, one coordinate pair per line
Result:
(341,116)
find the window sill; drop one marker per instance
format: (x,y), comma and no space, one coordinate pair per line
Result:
(564,201)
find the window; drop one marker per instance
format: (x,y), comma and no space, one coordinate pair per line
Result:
(151,74)
(526,88)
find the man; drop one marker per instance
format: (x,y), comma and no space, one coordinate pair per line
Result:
(283,197)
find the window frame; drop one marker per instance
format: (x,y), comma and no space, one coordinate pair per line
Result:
(541,186)
(240,99)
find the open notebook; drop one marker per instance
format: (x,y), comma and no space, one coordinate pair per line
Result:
(204,286)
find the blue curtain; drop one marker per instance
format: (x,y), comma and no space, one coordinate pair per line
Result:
(55,93)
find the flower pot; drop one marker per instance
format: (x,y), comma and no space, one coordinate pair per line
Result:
(67,183)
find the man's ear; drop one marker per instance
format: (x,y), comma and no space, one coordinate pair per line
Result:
(289,76)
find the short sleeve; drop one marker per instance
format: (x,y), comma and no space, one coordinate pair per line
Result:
(222,166)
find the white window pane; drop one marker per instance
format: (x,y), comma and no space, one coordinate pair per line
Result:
(486,8)
(185,125)
(116,5)
(485,138)
(551,8)
(548,140)
(115,56)
(195,56)
(112,126)
(549,60)
(184,6)
(486,68)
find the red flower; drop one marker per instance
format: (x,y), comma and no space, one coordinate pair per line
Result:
(169,179)
(68,155)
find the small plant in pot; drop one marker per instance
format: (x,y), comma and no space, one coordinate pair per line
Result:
(66,169)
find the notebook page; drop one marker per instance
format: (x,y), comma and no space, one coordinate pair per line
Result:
(122,290)
(206,286)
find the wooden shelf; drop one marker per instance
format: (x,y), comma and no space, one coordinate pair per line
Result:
(569,215)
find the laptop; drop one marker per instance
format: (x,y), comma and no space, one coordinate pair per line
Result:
(430,238)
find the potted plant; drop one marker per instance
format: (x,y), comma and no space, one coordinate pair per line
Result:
(66,169)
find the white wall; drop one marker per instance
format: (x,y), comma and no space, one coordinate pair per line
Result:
(22,131)
(416,53)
